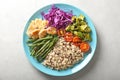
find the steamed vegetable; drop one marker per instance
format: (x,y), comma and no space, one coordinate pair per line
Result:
(58,18)
(41,47)
(79,27)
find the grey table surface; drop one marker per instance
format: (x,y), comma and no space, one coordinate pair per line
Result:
(105,64)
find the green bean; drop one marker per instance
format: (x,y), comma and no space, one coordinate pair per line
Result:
(42,56)
(42,47)
(30,40)
(32,52)
(48,47)
(43,50)
(45,53)
(46,38)
(36,44)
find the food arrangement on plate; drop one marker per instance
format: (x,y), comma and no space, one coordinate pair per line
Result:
(60,39)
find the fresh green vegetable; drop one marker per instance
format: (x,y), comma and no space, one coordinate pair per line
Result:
(45,38)
(79,27)
(79,34)
(68,28)
(81,17)
(87,37)
(45,53)
(30,40)
(82,28)
(87,29)
(41,47)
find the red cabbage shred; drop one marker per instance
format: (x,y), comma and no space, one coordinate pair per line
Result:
(58,18)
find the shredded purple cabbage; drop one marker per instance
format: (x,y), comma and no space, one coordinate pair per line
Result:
(58,18)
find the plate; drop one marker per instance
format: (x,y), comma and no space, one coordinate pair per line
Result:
(75,68)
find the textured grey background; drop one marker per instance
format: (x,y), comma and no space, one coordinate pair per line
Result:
(105,65)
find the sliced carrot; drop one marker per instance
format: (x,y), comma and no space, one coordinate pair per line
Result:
(84,46)
(68,38)
(76,39)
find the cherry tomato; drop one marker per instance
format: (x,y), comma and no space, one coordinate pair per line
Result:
(84,46)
